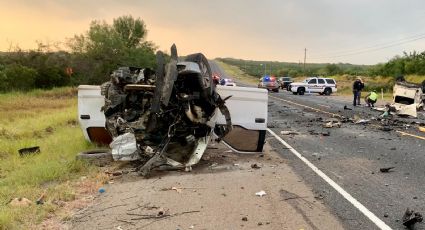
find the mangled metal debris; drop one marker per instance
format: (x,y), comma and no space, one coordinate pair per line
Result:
(408,98)
(163,118)
(411,217)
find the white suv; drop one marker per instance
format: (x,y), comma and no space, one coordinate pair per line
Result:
(318,85)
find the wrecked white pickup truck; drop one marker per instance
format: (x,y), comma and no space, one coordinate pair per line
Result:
(408,98)
(166,118)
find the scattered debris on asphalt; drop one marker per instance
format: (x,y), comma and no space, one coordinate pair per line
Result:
(422,129)
(102,190)
(331,123)
(328,125)
(386,128)
(325,134)
(346,108)
(411,217)
(362,121)
(178,190)
(255,166)
(288,133)
(261,193)
(244,218)
(29,151)
(386,169)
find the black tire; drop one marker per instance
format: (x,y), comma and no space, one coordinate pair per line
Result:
(301,91)
(204,65)
(288,88)
(328,91)
(99,157)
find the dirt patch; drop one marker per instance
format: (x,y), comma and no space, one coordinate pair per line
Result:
(218,194)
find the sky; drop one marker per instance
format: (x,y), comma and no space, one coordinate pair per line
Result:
(332,31)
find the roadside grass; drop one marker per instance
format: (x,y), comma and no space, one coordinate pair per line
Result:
(415,79)
(237,74)
(46,119)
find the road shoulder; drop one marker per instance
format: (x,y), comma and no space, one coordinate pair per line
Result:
(218,194)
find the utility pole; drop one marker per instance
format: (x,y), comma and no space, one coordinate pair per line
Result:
(305,55)
(271,68)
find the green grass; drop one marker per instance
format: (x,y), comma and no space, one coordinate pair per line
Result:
(237,74)
(415,79)
(46,119)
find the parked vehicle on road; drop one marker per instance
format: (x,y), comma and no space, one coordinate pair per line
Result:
(319,85)
(227,82)
(270,83)
(216,78)
(284,82)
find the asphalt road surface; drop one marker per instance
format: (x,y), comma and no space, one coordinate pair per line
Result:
(351,156)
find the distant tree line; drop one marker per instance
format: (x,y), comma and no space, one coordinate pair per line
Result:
(259,68)
(90,59)
(408,64)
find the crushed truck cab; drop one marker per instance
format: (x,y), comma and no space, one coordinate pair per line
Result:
(166,118)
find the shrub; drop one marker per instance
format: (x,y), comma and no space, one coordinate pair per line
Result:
(17,77)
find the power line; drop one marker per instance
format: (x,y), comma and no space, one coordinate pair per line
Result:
(371,48)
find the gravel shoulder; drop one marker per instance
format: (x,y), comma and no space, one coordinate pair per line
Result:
(218,194)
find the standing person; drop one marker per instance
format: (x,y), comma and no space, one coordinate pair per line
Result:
(357,89)
(371,98)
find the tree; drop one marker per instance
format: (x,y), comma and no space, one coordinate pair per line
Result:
(17,77)
(131,31)
(105,47)
(332,69)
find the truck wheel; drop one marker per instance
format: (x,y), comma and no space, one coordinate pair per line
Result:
(328,91)
(205,68)
(301,91)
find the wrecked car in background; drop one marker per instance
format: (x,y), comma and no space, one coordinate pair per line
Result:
(408,98)
(166,118)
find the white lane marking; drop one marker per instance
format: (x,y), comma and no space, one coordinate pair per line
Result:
(378,222)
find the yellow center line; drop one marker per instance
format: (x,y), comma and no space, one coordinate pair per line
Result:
(337,115)
(409,134)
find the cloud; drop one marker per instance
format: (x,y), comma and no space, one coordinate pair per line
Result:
(262,30)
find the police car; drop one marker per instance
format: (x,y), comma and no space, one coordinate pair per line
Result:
(270,83)
(325,86)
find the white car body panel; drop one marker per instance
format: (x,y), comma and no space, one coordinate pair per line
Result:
(247,106)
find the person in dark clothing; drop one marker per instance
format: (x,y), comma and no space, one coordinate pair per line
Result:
(358,86)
